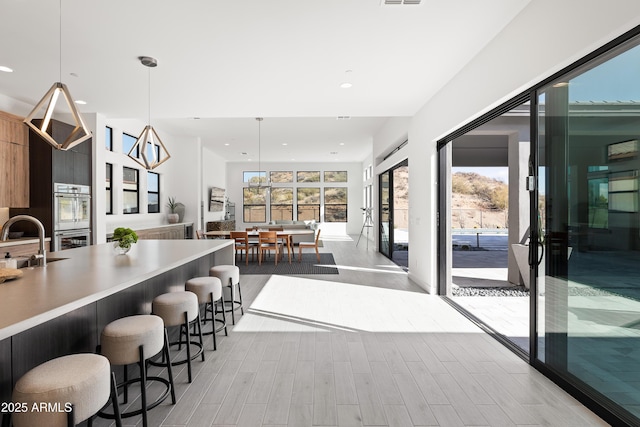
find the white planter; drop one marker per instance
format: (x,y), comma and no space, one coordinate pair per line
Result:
(173,218)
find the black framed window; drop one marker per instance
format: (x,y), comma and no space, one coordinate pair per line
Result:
(108,138)
(153,192)
(308,176)
(281,204)
(335,204)
(130,189)
(335,176)
(281,176)
(109,195)
(128,142)
(254,201)
(254,177)
(308,203)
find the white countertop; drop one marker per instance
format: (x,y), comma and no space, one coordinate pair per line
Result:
(89,274)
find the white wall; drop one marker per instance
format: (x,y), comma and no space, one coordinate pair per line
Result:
(547,36)
(354,185)
(179,177)
(213,175)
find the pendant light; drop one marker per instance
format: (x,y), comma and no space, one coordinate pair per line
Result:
(260,184)
(151,148)
(80,132)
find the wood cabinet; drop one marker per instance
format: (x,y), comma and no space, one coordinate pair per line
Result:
(14,162)
(168,232)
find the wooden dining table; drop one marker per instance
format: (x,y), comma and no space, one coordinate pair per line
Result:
(283,234)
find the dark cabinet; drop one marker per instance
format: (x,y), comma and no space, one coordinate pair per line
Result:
(48,166)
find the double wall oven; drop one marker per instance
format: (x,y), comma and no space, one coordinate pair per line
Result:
(71,216)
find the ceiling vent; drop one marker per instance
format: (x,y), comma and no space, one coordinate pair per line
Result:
(343,118)
(389,2)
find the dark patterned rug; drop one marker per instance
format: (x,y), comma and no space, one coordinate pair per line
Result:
(309,265)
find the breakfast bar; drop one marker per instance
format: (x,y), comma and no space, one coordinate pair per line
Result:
(61,308)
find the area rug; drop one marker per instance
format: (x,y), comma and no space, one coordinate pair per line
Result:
(309,265)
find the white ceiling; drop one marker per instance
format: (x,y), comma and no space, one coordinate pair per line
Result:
(229,61)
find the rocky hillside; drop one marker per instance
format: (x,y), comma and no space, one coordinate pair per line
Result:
(478,201)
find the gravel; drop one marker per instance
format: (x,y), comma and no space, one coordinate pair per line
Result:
(515,291)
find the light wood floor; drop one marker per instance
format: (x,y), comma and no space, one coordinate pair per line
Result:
(365,347)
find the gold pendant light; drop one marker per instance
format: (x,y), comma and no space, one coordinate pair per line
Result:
(151,148)
(80,132)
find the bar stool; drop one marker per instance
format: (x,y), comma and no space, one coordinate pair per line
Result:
(69,389)
(229,276)
(209,292)
(180,309)
(135,339)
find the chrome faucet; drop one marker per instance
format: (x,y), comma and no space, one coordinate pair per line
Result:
(41,255)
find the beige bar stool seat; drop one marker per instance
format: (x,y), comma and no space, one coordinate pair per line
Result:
(136,339)
(73,387)
(181,309)
(209,292)
(229,276)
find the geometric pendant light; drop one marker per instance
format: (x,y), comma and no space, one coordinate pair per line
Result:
(149,145)
(80,132)
(260,184)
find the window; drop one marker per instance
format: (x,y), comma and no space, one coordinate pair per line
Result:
(254,177)
(254,202)
(130,190)
(281,176)
(308,203)
(109,198)
(312,176)
(128,142)
(335,204)
(281,204)
(153,191)
(335,176)
(108,138)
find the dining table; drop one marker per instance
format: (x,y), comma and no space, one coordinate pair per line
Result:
(286,235)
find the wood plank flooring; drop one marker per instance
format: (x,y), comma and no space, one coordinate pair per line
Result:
(363,348)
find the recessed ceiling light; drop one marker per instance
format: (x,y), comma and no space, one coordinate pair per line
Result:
(6,69)
(243,153)
(345,85)
(196,118)
(284,143)
(343,118)
(292,159)
(342,143)
(333,152)
(80,102)
(226,143)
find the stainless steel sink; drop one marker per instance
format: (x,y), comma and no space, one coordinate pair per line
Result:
(23,262)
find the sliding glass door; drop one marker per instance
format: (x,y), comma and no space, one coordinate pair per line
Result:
(588,293)
(394,213)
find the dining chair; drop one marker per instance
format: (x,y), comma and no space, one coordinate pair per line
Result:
(267,241)
(314,245)
(200,234)
(243,244)
(283,239)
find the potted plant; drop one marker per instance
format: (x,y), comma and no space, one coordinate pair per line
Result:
(123,238)
(173,206)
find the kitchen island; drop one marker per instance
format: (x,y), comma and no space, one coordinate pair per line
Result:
(61,308)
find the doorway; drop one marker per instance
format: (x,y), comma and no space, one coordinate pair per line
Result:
(485,237)
(394,214)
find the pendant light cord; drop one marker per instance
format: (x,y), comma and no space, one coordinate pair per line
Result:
(149,94)
(60,38)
